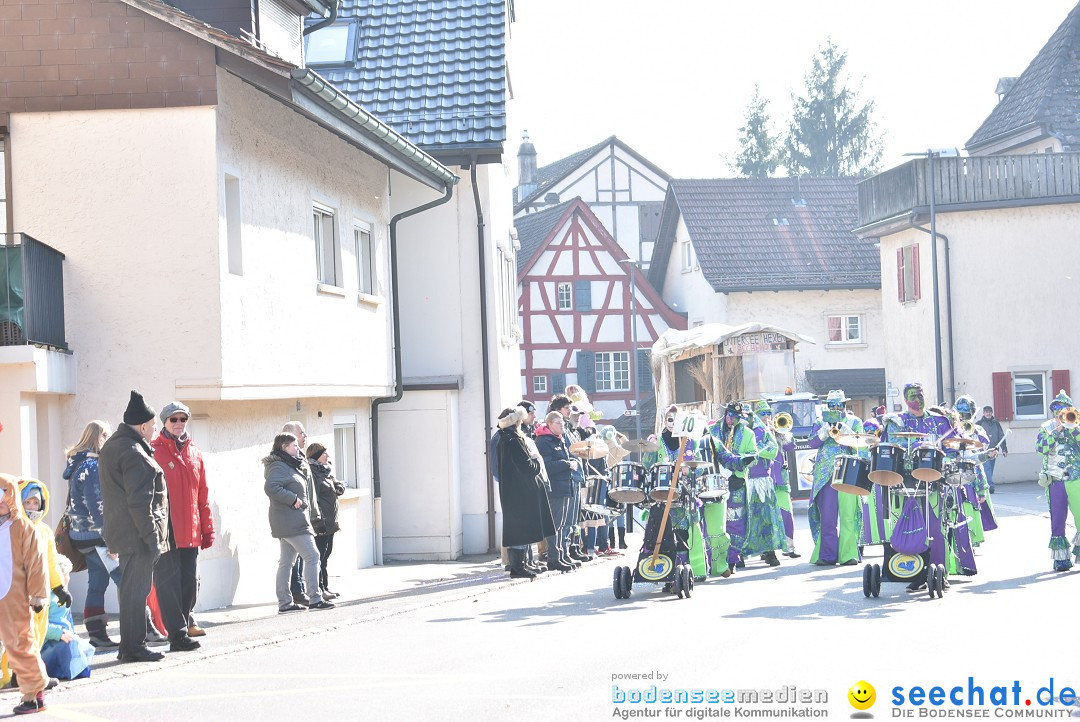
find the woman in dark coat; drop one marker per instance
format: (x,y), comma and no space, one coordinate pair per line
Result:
(525,518)
(327,491)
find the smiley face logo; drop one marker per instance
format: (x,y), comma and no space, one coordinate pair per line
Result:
(862,695)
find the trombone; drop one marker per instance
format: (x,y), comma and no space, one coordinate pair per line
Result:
(783,422)
(1069,418)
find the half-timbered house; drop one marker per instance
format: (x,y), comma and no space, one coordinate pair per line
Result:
(580,296)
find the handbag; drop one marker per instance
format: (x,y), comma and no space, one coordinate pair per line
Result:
(65,546)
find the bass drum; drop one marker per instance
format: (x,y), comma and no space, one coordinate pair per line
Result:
(852,475)
(662,482)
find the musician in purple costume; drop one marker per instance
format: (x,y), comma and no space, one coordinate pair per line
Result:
(973,492)
(733,434)
(834,516)
(1059,445)
(786,442)
(764,522)
(877,524)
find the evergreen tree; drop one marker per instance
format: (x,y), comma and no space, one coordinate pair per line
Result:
(831,132)
(759,149)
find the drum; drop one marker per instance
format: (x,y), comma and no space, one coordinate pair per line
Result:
(596,495)
(966,469)
(887,464)
(629,483)
(927,463)
(715,487)
(852,474)
(613,508)
(662,482)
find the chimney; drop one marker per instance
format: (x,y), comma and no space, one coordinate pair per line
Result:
(526,167)
(551,199)
(1004,85)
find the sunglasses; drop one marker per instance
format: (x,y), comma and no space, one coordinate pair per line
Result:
(178,419)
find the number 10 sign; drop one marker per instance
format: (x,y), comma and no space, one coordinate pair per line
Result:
(690,424)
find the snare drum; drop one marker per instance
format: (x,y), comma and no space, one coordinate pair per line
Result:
(887,464)
(629,483)
(662,482)
(927,463)
(851,474)
(966,469)
(716,487)
(596,495)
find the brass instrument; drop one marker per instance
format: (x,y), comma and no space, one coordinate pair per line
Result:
(835,430)
(968,428)
(939,411)
(783,421)
(1069,418)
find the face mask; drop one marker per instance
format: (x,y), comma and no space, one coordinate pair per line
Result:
(34,516)
(915,405)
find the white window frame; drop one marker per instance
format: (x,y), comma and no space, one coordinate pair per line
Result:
(1045,401)
(508,297)
(367,279)
(687,253)
(347,56)
(845,329)
(540,385)
(568,297)
(234,222)
(608,367)
(909,273)
(323,216)
(343,455)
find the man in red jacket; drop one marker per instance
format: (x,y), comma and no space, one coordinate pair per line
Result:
(190,524)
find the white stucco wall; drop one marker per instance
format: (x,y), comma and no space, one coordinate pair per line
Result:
(1014,272)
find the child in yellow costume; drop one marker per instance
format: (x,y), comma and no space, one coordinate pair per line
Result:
(23,584)
(35,503)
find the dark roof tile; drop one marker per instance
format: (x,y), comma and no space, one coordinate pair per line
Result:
(534,228)
(854,382)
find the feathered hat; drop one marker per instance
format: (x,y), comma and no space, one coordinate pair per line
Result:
(509,417)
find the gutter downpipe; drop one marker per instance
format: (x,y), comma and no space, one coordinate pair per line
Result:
(323,23)
(948,307)
(934,262)
(399,382)
(486,364)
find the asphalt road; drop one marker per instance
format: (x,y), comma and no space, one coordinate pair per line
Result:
(479,649)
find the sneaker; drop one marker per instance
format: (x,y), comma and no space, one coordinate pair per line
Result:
(322,605)
(301,599)
(102,642)
(327,594)
(740,564)
(195,630)
(155,637)
(290,608)
(183,644)
(31,706)
(140,655)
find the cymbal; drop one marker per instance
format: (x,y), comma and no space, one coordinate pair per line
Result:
(906,435)
(589,449)
(695,463)
(857,441)
(641,446)
(955,443)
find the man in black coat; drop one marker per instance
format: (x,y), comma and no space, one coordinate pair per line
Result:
(136,520)
(525,518)
(992,427)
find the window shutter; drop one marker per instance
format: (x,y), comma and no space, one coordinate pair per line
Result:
(586,371)
(900,274)
(644,372)
(558,384)
(1059,381)
(915,272)
(1003,395)
(582,295)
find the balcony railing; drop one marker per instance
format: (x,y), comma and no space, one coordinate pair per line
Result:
(991,179)
(31,293)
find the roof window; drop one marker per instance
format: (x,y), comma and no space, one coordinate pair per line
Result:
(332,45)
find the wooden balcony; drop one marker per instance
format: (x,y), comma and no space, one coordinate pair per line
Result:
(969,183)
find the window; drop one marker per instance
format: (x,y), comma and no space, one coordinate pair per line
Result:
(365,258)
(344,455)
(845,329)
(539,385)
(508,300)
(566,300)
(233,248)
(687,256)
(1029,395)
(326,248)
(907,273)
(613,371)
(333,44)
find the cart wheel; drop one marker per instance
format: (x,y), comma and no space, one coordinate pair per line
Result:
(933,579)
(875,580)
(944,579)
(867,585)
(688,581)
(677,581)
(616,583)
(940,581)
(627,582)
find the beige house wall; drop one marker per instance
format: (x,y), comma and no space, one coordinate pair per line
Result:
(1015,273)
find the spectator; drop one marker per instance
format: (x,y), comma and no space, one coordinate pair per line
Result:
(560,467)
(327,491)
(296,582)
(65,654)
(176,572)
(136,514)
(291,494)
(995,435)
(525,519)
(85,513)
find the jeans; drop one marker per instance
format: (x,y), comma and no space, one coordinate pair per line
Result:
(304,546)
(296,580)
(98,581)
(988,469)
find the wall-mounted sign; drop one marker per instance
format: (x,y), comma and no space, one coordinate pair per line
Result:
(748,343)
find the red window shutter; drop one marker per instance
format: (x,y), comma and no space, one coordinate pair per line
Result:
(1059,381)
(915,271)
(900,274)
(1003,395)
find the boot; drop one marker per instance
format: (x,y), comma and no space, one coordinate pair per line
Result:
(554,565)
(96,629)
(153,634)
(517,565)
(622,537)
(611,537)
(770,559)
(531,564)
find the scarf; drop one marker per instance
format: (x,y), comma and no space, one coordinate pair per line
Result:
(293,461)
(180,441)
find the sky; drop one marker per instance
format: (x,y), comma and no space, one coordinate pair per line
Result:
(673,78)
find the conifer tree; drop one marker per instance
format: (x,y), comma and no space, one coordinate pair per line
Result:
(759,149)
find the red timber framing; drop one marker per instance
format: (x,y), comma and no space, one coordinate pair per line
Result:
(579,249)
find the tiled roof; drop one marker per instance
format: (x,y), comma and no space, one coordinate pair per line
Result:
(628,424)
(533,229)
(854,382)
(769,234)
(434,70)
(1047,92)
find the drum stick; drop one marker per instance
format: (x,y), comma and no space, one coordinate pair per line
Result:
(667,504)
(1002,439)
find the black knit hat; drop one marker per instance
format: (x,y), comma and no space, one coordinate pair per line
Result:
(137,411)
